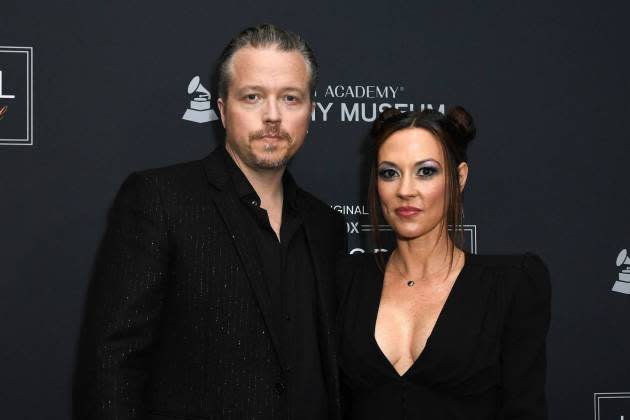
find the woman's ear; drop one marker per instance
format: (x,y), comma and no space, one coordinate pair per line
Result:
(462,170)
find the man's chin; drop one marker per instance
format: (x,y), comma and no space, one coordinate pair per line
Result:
(269,160)
(270,165)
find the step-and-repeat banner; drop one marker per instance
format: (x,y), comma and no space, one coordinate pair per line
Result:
(90,91)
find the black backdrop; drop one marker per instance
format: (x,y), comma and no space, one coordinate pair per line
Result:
(547,83)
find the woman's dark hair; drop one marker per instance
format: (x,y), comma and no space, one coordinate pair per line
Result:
(454,131)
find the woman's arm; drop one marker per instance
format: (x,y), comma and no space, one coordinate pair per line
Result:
(523,358)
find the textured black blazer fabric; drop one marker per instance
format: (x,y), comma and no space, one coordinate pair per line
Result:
(485,358)
(178,323)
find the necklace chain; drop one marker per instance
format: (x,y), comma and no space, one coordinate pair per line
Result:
(408,281)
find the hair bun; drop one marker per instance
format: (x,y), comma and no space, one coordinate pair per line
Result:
(463,122)
(384,116)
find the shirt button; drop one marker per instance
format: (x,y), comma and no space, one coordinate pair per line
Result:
(279,387)
(254,203)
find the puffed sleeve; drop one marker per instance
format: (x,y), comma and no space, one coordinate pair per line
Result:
(123,306)
(523,358)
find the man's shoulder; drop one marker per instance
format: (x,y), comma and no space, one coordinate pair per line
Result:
(172,172)
(184,176)
(187,178)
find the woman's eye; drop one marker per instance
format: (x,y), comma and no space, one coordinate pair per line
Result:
(426,172)
(387,173)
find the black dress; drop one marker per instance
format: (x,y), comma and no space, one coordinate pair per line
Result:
(485,358)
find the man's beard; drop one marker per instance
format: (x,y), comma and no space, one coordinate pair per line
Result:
(267,160)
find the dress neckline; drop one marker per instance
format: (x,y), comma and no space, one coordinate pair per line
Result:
(453,293)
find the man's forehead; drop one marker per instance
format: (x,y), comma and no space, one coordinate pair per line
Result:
(265,65)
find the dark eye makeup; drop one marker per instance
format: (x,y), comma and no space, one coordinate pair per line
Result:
(427,171)
(387,173)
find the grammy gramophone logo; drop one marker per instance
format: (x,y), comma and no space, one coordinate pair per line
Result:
(200,109)
(622,285)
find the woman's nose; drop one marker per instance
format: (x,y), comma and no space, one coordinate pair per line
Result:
(406,187)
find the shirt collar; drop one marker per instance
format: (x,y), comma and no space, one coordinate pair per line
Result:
(246,192)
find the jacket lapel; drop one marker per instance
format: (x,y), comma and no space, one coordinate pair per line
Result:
(228,206)
(317,246)
(321,258)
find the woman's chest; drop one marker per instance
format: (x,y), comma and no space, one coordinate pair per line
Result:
(452,341)
(405,320)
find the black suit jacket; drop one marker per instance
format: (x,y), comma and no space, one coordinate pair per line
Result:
(178,321)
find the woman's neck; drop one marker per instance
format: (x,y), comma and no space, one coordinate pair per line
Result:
(427,258)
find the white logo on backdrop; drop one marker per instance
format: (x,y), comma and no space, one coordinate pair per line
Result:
(362,103)
(470,234)
(611,405)
(622,285)
(2,95)
(16,94)
(200,110)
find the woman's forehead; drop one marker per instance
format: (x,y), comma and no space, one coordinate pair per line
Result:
(411,145)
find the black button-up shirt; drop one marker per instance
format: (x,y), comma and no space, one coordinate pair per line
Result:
(290,280)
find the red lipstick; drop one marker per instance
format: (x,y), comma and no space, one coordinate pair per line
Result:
(407,211)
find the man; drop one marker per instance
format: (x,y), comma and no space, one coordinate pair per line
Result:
(212,296)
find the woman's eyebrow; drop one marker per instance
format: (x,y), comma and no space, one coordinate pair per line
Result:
(427,160)
(420,162)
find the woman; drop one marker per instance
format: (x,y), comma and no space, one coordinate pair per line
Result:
(429,331)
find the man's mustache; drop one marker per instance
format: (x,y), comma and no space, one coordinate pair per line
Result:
(270,132)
